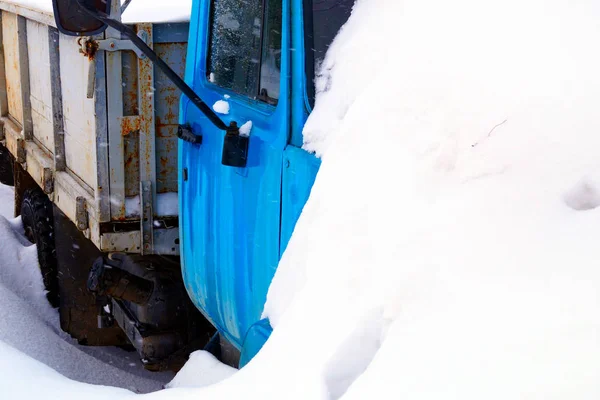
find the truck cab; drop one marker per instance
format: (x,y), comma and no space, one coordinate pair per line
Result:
(165,282)
(256,64)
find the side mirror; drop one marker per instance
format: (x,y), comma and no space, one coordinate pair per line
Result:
(73,21)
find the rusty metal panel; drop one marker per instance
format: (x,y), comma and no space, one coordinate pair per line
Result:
(167,115)
(172,48)
(10,43)
(131,137)
(40,84)
(146,96)
(78,112)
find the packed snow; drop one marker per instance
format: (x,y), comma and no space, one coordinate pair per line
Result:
(166,205)
(246,128)
(221,107)
(448,248)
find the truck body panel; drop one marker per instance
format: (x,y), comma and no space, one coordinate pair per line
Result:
(91,148)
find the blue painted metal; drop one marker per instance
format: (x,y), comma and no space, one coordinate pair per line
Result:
(257,336)
(236,222)
(299,172)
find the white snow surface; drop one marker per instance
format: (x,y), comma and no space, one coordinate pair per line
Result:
(246,128)
(221,107)
(167,204)
(202,369)
(448,248)
(137,11)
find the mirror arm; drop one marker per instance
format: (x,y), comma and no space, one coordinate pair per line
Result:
(180,83)
(124,5)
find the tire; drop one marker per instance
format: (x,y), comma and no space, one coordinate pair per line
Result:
(37,217)
(7,176)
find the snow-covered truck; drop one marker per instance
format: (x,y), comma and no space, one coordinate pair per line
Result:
(91,119)
(92,129)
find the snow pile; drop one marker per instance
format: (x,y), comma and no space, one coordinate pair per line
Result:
(456,208)
(221,107)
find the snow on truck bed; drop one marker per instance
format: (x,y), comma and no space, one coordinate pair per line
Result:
(449,246)
(138,10)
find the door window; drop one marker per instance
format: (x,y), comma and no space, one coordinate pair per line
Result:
(245,47)
(322,21)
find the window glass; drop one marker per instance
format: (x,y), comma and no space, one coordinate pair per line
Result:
(322,21)
(243,56)
(271,53)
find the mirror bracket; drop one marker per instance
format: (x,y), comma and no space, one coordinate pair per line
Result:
(119,45)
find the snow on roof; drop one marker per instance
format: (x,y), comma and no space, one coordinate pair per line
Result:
(154,11)
(158,11)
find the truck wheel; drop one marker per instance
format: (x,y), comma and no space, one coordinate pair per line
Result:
(6,167)
(36,214)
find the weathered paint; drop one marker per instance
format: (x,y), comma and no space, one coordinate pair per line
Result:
(114,104)
(3,96)
(147,132)
(56,80)
(11,63)
(167,115)
(39,79)
(78,111)
(166,110)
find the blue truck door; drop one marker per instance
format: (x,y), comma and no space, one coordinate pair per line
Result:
(238,60)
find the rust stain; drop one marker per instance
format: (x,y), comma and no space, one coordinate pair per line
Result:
(129,125)
(88,48)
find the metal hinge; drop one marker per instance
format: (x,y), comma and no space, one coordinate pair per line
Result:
(81,215)
(48,180)
(184,132)
(147,217)
(21,151)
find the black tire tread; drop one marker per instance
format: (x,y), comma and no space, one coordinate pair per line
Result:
(6,167)
(37,217)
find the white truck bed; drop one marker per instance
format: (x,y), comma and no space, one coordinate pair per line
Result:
(108,162)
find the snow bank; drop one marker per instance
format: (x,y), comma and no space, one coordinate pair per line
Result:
(457,200)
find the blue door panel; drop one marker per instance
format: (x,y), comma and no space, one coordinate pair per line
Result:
(230,218)
(299,172)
